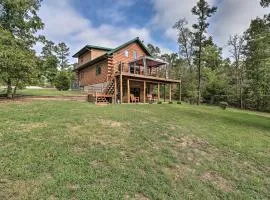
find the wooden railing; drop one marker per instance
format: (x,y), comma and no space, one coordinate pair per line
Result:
(93,89)
(160,72)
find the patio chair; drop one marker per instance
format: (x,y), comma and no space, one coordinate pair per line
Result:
(149,98)
(134,99)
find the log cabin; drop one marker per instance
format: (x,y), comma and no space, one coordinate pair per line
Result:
(125,74)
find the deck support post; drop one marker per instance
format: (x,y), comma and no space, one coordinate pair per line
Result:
(158,90)
(121,88)
(144,91)
(128,91)
(180,91)
(164,92)
(170,92)
(115,90)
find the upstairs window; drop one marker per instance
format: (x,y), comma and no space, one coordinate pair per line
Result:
(98,70)
(134,55)
(126,53)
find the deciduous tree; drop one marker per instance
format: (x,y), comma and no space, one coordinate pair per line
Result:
(20,19)
(155,51)
(265,3)
(236,44)
(18,66)
(185,41)
(257,52)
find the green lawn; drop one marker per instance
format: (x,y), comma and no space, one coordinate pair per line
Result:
(76,150)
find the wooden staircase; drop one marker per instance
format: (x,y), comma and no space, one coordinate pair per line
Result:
(103,94)
(110,88)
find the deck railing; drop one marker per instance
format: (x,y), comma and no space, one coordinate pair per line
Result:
(162,71)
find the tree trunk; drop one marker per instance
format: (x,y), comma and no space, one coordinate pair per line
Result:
(199,73)
(241,85)
(15,89)
(9,89)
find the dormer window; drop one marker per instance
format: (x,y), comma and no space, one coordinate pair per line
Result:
(126,53)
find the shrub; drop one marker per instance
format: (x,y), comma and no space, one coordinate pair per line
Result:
(170,102)
(179,102)
(62,81)
(160,102)
(223,105)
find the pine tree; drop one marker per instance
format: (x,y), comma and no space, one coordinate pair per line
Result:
(203,11)
(62,52)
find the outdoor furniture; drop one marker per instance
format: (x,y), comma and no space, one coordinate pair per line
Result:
(134,99)
(154,97)
(149,98)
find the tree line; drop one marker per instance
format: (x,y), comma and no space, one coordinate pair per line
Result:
(19,64)
(242,80)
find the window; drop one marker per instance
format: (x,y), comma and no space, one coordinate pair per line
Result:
(134,55)
(98,70)
(126,53)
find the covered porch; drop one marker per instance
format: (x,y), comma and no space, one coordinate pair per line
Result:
(139,89)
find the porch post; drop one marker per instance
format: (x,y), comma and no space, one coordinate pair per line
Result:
(144,92)
(115,90)
(128,91)
(158,90)
(164,92)
(170,93)
(121,88)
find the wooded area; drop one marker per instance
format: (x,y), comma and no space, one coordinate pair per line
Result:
(242,80)
(19,63)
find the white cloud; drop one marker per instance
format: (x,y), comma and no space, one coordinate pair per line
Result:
(63,23)
(233,16)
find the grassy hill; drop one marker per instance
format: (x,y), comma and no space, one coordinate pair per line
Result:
(75,150)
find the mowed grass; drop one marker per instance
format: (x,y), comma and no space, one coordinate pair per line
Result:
(75,150)
(49,92)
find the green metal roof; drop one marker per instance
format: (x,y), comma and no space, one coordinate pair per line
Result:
(137,39)
(87,48)
(110,50)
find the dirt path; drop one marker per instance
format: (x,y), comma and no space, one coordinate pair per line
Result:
(52,98)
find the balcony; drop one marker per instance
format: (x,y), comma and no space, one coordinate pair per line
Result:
(146,68)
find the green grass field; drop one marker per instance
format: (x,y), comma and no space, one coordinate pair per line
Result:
(75,150)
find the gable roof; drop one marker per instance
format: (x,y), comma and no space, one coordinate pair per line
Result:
(89,47)
(137,39)
(110,50)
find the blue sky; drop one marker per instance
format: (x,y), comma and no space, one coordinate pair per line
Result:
(112,22)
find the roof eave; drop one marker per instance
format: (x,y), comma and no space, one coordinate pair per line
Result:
(92,62)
